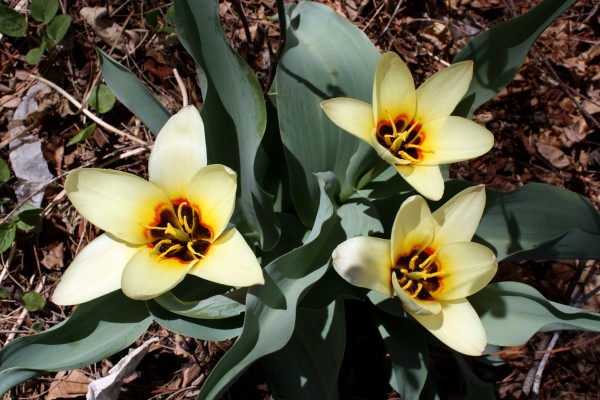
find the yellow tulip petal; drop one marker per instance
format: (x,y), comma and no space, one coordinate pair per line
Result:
(466,267)
(415,306)
(230,261)
(458,218)
(212,191)
(119,203)
(438,96)
(94,272)
(179,152)
(453,139)
(413,228)
(394,92)
(427,180)
(352,115)
(365,262)
(458,326)
(145,276)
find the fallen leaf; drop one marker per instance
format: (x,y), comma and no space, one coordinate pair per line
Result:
(68,385)
(554,155)
(53,256)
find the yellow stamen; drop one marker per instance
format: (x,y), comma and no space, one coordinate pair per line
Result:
(416,293)
(428,261)
(408,284)
(194,252)
(405,155)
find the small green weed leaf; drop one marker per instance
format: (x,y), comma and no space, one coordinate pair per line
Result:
(12,23)
(513,312)
(27,217)
(499,52)
(34,56)
(82,135)
(132,93)
(4,171)
(151,18)
(101,98)
(43,10)
(169,20)
(37,326)
(8,231)
(58,27)
(33,301)
(4,294)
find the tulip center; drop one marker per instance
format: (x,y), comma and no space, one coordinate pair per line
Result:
(402,138)
(418,274)
(182,236)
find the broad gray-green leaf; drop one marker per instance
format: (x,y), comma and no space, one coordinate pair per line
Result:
(359,217)
(476,388)
(214,307)
(499,52)
(314,68)
(132,93)
(8,230)
(94,331)
(405,342)
(205,329)
(43,10)
(84,134)
(271,308)
(317,348)
(537,221)
(101,98)
(233,113)
(513,312)
(12,23)
(58,27)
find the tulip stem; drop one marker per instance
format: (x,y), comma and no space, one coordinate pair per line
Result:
(372,174)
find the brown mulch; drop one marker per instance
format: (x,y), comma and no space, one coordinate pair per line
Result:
(546,125)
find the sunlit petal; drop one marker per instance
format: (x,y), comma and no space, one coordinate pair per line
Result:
(145,276)
(466,268)
(230,261)
(415,306)
(427,180)
(440,94)
(352,115)
(365,262)
(457,219)
(394,92)
(453,139)
(179,152)
(212,191)
(119,203)
(413,228)
(458,326)
(94,272)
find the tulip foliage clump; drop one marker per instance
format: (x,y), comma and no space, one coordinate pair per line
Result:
(267,219)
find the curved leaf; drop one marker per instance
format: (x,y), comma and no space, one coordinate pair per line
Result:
(132,93)
(499,52)
(513,312)
(215,307)
(94,331)
(234,112)
(312,69)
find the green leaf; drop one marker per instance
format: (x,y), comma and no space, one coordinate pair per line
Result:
(499,52)
(513,312)
(317,348)
(409,354)
(43,10)
(94,331)
(34,56)
(82,135)
(215,307)
(12,23)
(205,329)
(101,98)
(4,294)
(271,308)
(476,388)
(132,93)
(311,70)
(8,230)
(151,18)
(536,221)
(27,217)
(234,113)
(4,171)
(58,27)
(33,301)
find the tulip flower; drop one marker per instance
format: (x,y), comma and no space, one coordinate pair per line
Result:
(431,264)
(413,129)
(159,230)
